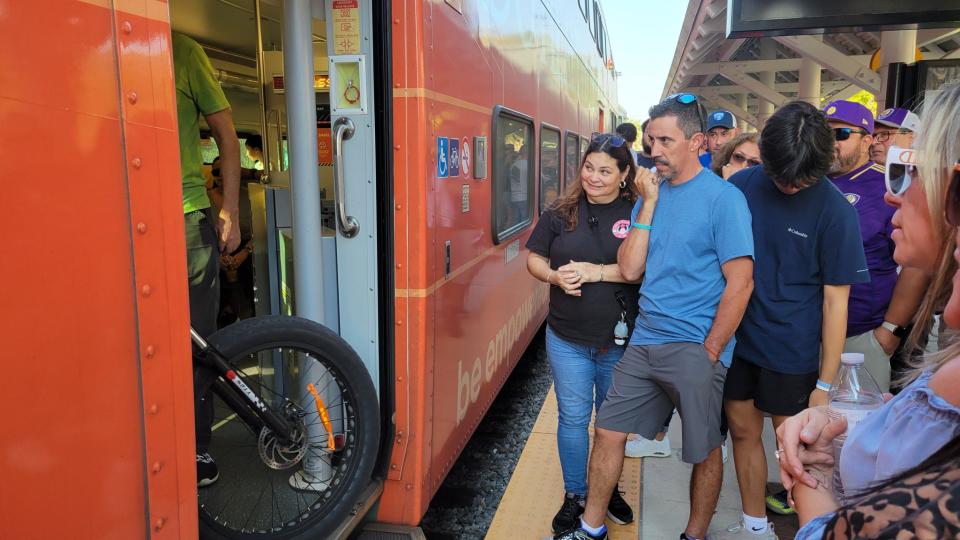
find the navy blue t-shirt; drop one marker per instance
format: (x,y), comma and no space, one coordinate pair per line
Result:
(802,242)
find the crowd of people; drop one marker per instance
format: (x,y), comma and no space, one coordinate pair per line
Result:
(720,275)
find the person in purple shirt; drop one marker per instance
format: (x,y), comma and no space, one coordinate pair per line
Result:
(879,310)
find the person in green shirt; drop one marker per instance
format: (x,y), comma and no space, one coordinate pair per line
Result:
(199,92)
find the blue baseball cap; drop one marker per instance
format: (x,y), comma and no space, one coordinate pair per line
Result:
(721,118)
(850,112)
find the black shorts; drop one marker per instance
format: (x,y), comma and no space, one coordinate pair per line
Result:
(779,394)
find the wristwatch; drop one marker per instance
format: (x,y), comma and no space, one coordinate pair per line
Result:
(899,331)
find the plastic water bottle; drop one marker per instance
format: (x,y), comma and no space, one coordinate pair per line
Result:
(854,395)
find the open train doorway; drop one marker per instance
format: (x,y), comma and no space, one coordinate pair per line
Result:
(299,77)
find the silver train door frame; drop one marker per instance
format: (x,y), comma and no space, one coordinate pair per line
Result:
(350,51)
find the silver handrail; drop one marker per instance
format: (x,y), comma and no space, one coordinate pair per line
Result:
(349,227)
(261,81)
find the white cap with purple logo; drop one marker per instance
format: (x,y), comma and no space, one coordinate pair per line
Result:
(899,118)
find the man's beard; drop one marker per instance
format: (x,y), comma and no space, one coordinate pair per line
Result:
(671,171)
(843,164)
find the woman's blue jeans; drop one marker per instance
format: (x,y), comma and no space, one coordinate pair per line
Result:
(581,378)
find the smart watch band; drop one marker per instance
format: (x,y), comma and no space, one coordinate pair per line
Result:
(899,331)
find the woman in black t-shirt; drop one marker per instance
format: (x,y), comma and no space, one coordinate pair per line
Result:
(574,249)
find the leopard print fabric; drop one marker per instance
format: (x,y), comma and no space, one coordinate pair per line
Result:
(925,506)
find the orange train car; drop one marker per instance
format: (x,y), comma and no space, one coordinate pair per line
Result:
(465,119)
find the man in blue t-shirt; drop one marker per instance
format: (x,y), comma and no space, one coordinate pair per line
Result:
(696,255)
(808,253)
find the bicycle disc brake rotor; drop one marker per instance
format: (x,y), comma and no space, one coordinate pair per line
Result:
(278,454)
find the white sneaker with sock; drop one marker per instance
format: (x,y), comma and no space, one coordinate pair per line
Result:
(641,447)
(742,531)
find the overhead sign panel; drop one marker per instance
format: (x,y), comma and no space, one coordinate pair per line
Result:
(758,18)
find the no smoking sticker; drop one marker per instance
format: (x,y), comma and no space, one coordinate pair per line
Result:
(465,157)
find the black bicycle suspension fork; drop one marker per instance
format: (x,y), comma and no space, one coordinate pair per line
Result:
(231,387)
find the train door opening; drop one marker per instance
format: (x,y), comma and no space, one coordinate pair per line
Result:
(248,60)
(299,76)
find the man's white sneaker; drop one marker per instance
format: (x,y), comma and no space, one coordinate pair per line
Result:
(738,531)
(641,447)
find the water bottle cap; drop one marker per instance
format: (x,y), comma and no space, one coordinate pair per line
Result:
(851,358)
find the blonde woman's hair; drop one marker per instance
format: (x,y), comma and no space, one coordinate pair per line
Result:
(939,143)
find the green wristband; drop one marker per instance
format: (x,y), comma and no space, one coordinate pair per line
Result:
(642,226)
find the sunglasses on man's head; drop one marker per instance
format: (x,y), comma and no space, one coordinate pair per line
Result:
(842,134)
(689,99)
(901,170)
(751,162)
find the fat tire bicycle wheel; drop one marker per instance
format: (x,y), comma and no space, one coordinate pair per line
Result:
(281,358)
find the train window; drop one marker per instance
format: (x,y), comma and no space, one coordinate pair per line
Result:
(585,8)
(549,165)
(571,159)
(601,38)
(596,20)
(513,172)
(584,143)
(209,151)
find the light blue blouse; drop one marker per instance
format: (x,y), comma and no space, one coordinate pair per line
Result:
(897,437)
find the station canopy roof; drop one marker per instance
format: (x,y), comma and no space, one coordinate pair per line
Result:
(725,72)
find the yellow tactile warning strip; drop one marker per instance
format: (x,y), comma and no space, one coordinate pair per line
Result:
(535,491)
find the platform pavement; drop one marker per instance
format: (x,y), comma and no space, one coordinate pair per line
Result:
(664,491)
(535,491)
(656,488)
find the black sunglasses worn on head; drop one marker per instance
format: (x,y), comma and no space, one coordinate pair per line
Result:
(611,139)
(842,134)
(689,99)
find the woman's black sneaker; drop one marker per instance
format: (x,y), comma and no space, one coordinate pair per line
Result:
(569,515)
(618,510)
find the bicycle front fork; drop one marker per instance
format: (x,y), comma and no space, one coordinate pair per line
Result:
(231,386)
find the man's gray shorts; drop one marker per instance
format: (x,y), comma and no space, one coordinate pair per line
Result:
(650,380)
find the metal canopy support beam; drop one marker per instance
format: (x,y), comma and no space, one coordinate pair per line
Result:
(304,177)
(834,60)
(748,66)
(845,93)
(933,35)
(754,86)
(792,88)
(724,103)
(810,87)
(809,83)
(717,24)
(742,105)
(899,46)
(766,80)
